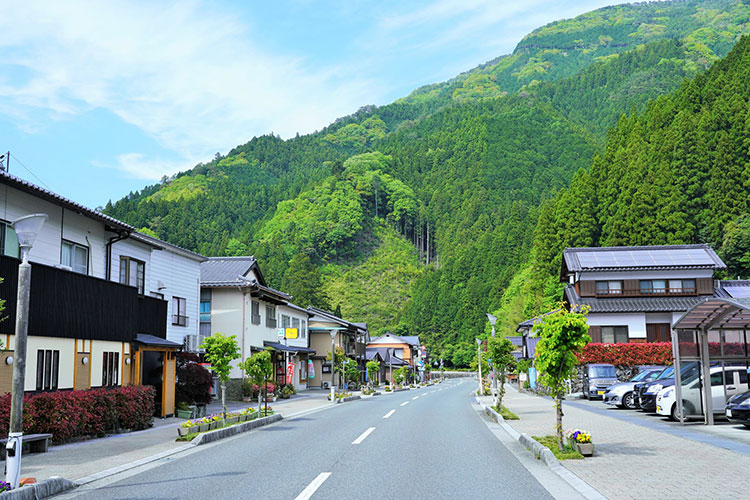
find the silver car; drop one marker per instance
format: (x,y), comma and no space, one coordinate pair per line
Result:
(622,394)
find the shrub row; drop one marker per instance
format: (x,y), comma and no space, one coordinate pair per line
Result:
(71,414)
(631,354)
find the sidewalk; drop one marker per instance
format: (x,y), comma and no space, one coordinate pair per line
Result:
(77,460)
(633,461)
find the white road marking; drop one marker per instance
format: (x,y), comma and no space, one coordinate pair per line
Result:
(388,415)
(404,403)
(363,436)
(308,492)
(415,397)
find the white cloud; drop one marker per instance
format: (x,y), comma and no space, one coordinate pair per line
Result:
(139,166)
(188,75)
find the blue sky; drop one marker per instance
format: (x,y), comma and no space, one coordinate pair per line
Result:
(102,98)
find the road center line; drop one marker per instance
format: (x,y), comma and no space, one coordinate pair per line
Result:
(388,415)
(404,403)
(363,436)
(308,492)
(415,397)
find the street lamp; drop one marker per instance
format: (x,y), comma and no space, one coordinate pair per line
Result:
(479,365)
(27,228)
(333,364)
(493,320)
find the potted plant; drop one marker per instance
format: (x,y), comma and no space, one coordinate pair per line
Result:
(186,428)
(183,410)
(581,442)
(203,426)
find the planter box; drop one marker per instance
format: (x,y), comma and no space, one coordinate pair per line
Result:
(184,414)
(233,420)
(585,449)
(184,431)
(203,428)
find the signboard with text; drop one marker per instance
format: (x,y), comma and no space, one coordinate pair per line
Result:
(290,373)
(291,333)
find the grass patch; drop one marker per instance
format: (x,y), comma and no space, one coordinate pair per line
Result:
(551,443)
(506,413)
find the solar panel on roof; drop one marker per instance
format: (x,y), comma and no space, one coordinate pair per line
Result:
(587,259)
(738,292)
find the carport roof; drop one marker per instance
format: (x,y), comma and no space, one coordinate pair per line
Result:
(717,313)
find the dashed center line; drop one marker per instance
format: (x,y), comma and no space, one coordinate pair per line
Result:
(388,415)
(404,403)
(415,397)
(308,492)
(363,436)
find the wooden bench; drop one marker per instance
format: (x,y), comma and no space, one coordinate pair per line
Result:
(32,443)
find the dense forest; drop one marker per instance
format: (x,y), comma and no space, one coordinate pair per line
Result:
(420,216)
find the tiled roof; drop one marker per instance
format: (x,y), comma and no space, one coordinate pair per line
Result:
(411,339)
(662,257)
(390,338)
(161,243)
(225,271)
(734,288)
(46,194)
(385,355)
(631,304)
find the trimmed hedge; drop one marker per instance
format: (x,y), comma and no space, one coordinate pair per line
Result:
(71,414)
(631,354)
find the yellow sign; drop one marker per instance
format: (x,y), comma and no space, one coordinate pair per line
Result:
(290,333)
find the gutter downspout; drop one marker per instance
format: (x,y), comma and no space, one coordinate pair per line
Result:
(108,245)
(242,347)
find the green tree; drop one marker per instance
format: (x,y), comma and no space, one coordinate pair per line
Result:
(351,371)
(235,248)
(304,282)
(563,334)
(373,369)
(259,369)
(500,351)
(735,249)
(221,350)
(400,375)
(338,363)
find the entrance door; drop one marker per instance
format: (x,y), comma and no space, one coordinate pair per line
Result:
(658,332)
(152,372)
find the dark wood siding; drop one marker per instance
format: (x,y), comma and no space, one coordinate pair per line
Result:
(595,332)
(71,305)
(658,332)
(705,286)
(588,288)
(631,285)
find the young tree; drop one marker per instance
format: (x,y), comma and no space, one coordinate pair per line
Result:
(351,371)
(373,369)
(258,369)
(399,375)
(220,352)
(563,334)
(338,363)
(500,351)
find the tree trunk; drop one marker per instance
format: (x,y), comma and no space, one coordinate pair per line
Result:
(223,399)
(558,423)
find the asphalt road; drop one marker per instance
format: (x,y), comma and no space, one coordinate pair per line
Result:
(432,445)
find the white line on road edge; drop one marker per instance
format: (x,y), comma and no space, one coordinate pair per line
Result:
(388,415)
(363,436)
(308,492)
(404,403)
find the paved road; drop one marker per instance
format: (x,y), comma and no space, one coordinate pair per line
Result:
(431,445)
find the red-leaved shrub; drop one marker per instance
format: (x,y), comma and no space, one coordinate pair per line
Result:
(631,354)
(69,414)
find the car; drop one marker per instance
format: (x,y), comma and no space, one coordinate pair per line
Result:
(737,409)
(622,394)
(647,391)
(597,378)
(726,382)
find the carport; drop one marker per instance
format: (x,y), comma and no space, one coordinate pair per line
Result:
(713,333)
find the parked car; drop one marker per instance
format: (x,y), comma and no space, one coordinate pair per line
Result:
(597,379)
(622,394)
(726,382)
(738,409)
(647,391)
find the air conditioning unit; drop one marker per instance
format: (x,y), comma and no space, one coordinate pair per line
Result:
(325,385)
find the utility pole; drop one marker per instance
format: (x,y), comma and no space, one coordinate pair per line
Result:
(493,320)
(479,365)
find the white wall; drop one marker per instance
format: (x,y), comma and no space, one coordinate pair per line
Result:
(181,275)
(645,275)
(636,322)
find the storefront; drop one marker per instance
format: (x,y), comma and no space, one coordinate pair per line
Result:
(714,337)
(290,364)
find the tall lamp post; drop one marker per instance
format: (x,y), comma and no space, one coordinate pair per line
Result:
(333,364)
(479,365)
(27,228)
(493,320)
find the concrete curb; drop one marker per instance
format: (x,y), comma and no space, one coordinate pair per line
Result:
(42,489)
(544,454)
(215,435)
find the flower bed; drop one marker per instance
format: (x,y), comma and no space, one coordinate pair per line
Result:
(631,354)
(71,414)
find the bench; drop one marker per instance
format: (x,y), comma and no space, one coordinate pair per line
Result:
(32,443)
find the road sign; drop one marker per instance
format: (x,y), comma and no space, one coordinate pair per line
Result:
(291,333)
(280,333)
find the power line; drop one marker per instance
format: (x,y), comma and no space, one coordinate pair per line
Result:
(15,157)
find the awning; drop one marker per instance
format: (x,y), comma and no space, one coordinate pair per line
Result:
(150,340)
(717,313)
(287,348)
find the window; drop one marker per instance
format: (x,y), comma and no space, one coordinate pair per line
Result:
(649,287)
(615,334)
(255,312)
(47,369)
(133,273)
(286,321)
(205,311)
(682,286)
(295,324)
(609,287)
(271,316)
(75,257)
(8,241)
(110,368)
(179,311)
(303,330)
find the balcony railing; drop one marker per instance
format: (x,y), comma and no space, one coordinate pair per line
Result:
(270,322)
(255,319)
(647,292)
(179,320)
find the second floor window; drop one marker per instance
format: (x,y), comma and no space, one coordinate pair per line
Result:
(286,321)
(295,324)
(609,287)
(179,311)
(8,241)
(271,316)
(255,316)
(133,273)
(75,257)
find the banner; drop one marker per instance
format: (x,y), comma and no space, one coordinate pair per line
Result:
(310,369)
(290,373)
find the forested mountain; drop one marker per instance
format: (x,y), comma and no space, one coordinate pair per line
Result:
(416,215)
